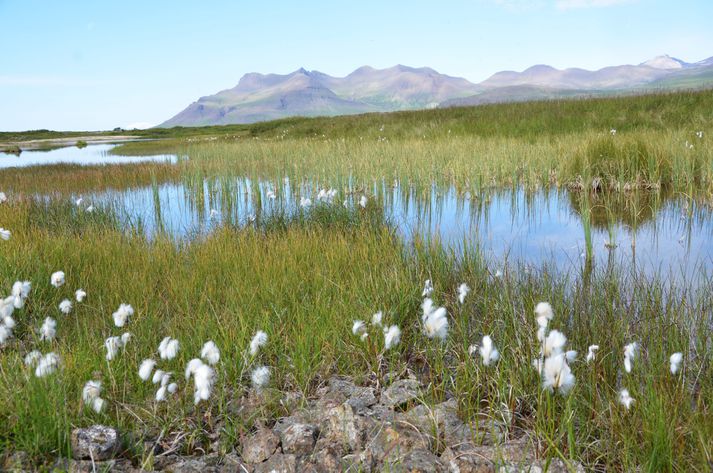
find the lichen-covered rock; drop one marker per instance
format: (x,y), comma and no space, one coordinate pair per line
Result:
(98,443)
(344,426)
(278,463)
(400,392)
(418,461)
(392,442)
(260,446)
(299,439)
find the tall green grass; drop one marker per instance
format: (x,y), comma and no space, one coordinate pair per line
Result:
(304,279)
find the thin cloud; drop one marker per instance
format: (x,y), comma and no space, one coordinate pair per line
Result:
(575,4)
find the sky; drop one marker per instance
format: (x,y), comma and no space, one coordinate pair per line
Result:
(96,65)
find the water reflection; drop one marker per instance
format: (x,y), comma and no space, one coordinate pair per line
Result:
(653,234)
(93,154)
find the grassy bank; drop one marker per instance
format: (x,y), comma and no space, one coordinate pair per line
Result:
(304,280)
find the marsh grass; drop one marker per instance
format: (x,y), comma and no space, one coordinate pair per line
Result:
(304,279)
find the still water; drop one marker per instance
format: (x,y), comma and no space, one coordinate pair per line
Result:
(666,236)
(93,154)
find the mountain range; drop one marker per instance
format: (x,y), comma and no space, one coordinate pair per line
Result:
(261,97)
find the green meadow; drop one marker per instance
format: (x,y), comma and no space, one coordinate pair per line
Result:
(305,276)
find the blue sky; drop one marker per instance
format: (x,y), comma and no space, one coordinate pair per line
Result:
(87,65)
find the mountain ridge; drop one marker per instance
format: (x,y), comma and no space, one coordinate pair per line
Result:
(260,97)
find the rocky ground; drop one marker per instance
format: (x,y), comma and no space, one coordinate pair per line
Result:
(345,428)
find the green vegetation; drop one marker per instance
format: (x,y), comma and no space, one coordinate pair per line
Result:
(304,277)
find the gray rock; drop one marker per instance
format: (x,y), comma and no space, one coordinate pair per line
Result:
(418,461)
(232,463)
(299,439)
(260,446)
(345,427)
(88,466)
(400,392)
(17,461)
(278,463)
(191,465)
(98,442)
(358,397)
(392,442)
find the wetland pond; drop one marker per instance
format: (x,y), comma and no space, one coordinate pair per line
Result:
(666,236)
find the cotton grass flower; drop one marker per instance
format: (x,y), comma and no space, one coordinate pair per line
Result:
(488,352)
(676,359)
(32,358)
(57,278)
(112,345)
(203,379)
(376,319)
(65,306)
(625,398)
(145,369)
(557,374)
(3,197)
(210,352)
(192,366)
(259,340)
(554,343)
(80,295)
(157,376)
(392,337)
(48,330)
(630,352)
(427,288)
(122,314)
(5,334)
(592,353)
(47,365)
(5,234)
(358,328)
(91,395)
(463,291)
(305,202)
(20,292)
(168,348)
(435,324)
(363,201)
(543,314)
(260,377)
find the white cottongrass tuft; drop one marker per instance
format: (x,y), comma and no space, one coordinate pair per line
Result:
(145,369)
(80,295)
(192,366)
(554,343)
(32,358)
(260,377)
(3,197)
(676,359)
(47,365)
(112,345)
(376,318)
(259,340)
(463,291)
(592,353)
(362,201)
(48,330)
(488,352)
(358,328)
(435,324)
(126,337)
(557,375)
(543,314)
(91,396)
(427,288)
(210,352)
(122,314)
(392,336)
(305,202)
(625,398)
(20,292)
(157,376)
(57,279)
(630,352)
(168,348)
(5,234)
(65,306)
(203,379)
